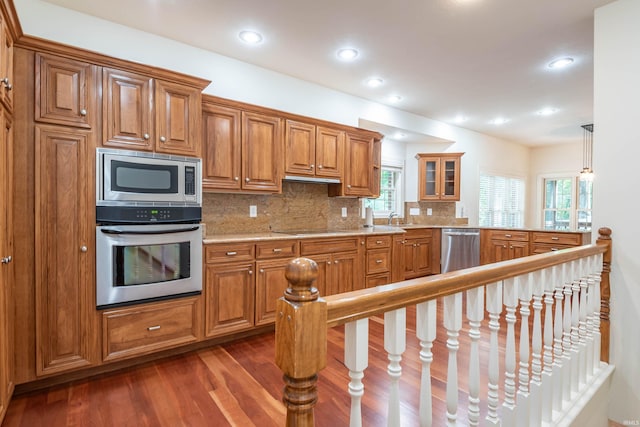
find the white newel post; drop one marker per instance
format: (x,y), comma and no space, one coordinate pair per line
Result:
(426,332)
(509,405)
(558,363)
(453,324)
(546,392)
(356,359)
(535,388)
(494,307)
(475,314)
(524,294)
(394,345)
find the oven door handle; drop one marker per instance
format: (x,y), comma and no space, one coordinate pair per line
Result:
(141,232)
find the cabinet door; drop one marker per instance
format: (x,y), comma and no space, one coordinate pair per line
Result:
(65,255)
(221,140)
(398,253)
(329,152)
(177,119)
(261,152)
(499,251)
(230,293)
(409,259)
(127,110)
(346,274)
(518,249)
(6,65)
(65,91)
(6,267)
(423,257)
(450,178)
(429,185)
(324,265)
(270,286)
(358,167)
(300,148)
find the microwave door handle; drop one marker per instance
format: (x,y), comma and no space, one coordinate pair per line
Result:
(142,232)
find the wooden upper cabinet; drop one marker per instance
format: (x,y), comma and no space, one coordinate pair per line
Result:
(358,176)
(312,150)
(439,176)
(221,163)
(261,152)
(127,108)
(178,121)
(65,91)
(142,113)
(6,65)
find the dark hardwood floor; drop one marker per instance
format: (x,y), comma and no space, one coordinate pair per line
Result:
(238,384)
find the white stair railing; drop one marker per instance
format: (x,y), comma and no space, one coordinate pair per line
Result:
(426,314)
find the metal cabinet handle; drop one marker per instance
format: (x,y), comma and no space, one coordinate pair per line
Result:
(378,242)
(232,253)
(555,238)
(507,235)
(153,328)
(7,259)
(312,166)
(6,84)
(83,249)
(319,166)
(349,186)
(335,262)
(510,247)
(504,246)
(378,261)
(236,179)
(163,139)
(262,271)
(246,179)
(146,136)
(250,272)
(277,250)
(554,249)
(83,112)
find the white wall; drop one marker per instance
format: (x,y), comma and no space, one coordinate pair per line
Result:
(616,201)
(244,82)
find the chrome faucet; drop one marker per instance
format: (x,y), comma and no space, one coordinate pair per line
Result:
(391,215)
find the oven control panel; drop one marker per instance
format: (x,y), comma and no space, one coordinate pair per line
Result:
(147,215)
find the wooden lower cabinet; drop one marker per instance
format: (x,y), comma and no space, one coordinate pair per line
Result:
(340,264)
(503,245)
(420,253)
(65,251)
(229,304)
(147,328)
(548,241)
(270,286)
(6,267)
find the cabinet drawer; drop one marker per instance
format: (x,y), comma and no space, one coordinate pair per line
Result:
(378,261)
(378,280)
(540,248)
(148,328)
(225,252)
(378,242)
(327,246)
(522,236)
(416,233)
(556,238)
(277,249)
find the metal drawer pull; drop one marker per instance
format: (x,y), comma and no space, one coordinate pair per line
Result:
(232,253)
(276,250)
(554,249)
(507,235)
(378,261)
(555,238)
(378,242)
(153,328)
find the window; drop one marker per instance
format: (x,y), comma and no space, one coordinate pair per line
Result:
(501,201)
(567,203)
(391,195)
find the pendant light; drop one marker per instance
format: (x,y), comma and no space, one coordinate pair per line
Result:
(587,153)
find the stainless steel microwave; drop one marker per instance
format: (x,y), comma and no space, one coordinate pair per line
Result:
(133,178)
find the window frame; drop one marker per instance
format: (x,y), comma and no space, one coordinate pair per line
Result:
(523,198)
(574,208)
(396,166)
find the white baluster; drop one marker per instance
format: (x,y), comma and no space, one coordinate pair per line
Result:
(524,294)
(494,307)
(596,314)
(509,405)
(582,324)
(394,344)
(558,362)
(547,379)
(426,327)
(535,411)
(475,314)
(575,323)
(453,324)
(566,334)
(356,359)
(590,313)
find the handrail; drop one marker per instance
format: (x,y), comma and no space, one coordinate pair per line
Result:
(361,304)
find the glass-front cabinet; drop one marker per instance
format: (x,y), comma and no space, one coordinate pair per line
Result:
(439,175)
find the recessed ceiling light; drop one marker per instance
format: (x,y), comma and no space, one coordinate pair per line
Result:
(395,98)
(560,62)
(250,37)
(547,111)
(374,82)
(347,54)
(499,121)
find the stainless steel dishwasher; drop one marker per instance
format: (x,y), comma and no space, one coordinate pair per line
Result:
(460,249)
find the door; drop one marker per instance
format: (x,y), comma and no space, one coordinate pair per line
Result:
(423,256)
(261,152)
(64,230)
(6,65)
(177,119)
(127,109)
(300,151)
(346,274)
(221,161)
(230,291)
(270,286)
(358,167)
(329,152)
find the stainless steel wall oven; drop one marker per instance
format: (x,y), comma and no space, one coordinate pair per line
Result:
(148,233)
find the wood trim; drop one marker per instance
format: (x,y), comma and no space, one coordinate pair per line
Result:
(11,18)
(365,303)
(604,239)
(210,99)
(48,46)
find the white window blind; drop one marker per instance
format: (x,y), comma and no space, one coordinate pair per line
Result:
(501,201)
(391,194)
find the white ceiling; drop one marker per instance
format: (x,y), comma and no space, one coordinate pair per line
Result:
(478,58)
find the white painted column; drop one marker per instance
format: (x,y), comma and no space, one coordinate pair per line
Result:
(535,388)
(356,359)
(547,379)
(494,307)
(524,295)
(453,324)
(395,344)
(426,327)
(475,314)
(510,294)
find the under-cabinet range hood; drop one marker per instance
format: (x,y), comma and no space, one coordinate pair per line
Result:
(312,179)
